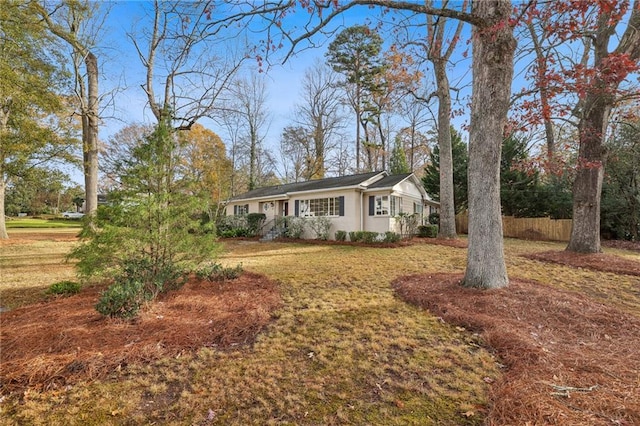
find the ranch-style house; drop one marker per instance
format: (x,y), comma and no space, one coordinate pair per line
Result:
(363,202)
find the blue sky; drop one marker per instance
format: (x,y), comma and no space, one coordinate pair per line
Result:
(122,73)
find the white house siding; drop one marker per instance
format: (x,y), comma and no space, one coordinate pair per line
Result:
(375,223)
(351,219)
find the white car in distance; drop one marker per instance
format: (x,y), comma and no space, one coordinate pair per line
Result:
(72,215)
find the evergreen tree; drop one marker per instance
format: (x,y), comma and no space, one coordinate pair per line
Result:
(431,178)
(153,222)
(620,215)
(521,192)
(355,53)
(398,161)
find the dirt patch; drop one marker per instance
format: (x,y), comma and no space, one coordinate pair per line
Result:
(594,261)
(568,360)
(64,341)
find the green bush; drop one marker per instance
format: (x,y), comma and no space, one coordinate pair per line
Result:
(64,287)
(391,237)
(217,272)
(434,218)
(155,279)
(428,231)
(255,222)
(234,233)
(369,237)
(341,235)
(121,300)
(355,236)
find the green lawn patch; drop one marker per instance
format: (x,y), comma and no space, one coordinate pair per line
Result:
(43,223)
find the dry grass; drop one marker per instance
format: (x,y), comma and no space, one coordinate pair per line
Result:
(342,349)
(30,261)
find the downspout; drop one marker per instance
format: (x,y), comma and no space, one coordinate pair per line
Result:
(361,212)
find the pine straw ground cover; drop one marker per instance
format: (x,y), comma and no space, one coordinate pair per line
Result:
(343,349)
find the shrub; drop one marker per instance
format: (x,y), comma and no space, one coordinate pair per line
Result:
(408,224)
(295,226)
(355,236)
(341,235)
(234,233)
(217,272)
(369,237)
(155,279)
(255,222)
(434,218)
(64,288)
(428,231)
(391,237)
(121,300)
(320,225)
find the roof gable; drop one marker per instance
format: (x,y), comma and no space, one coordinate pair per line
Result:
(389,181)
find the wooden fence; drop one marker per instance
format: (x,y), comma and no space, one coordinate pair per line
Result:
(529,228)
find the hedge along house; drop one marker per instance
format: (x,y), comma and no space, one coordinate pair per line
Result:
(362,202)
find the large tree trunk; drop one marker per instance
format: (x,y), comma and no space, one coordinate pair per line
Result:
(587,187)
(3,224)
(447,207)
(90,133)
(493,52)
(4,130)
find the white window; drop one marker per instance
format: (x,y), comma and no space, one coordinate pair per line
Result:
(396,205)
(388,205)
(418,208)
(241,210)
(382,205)
(320,207)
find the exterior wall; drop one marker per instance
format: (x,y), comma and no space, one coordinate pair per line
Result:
(408,194)
(376,223)
(351,219)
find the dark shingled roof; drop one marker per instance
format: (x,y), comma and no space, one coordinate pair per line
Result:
(389,181)
(311,185)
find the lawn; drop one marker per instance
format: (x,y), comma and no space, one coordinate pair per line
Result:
(31,223)
(341,348)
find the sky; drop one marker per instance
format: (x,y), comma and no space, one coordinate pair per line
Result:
(283,79)
(122,74)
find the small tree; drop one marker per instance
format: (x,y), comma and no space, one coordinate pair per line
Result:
(408,224)
(153,225)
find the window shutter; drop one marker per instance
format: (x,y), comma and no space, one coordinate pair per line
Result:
(297,208)
(246,209)
(341,212)
(235,210)
(372,205)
